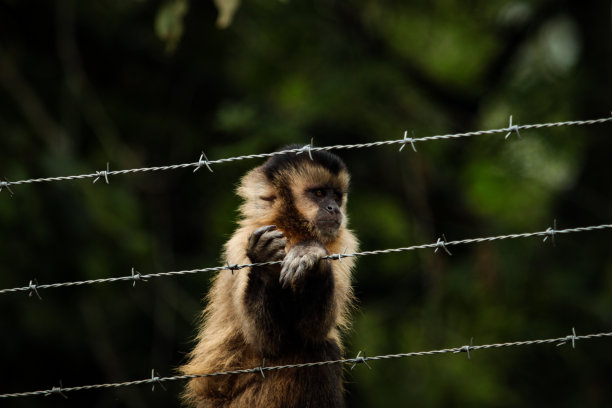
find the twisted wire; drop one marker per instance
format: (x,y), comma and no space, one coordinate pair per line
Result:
(571,339)
(309,148)
(136,276)
(549,232)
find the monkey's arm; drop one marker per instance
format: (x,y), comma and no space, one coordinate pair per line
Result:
(261,301)
(295,301)
(311,281)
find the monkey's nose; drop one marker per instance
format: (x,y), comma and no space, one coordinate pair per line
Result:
(332,209)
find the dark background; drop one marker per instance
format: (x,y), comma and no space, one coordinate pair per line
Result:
(146,83)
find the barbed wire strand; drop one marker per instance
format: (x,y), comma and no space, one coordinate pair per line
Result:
(135,276)
(203,160)
(359,359)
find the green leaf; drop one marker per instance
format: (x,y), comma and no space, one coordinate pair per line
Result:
(227,9)
(169,22)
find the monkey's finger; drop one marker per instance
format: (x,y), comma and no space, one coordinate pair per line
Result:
(287,266)
(303,266)
(276,255)
(279,255)
(318,253)
(274,233)
(255,235)
(284,279)
(261,230)
(283,271)
(267,237)
(276,243)
(266,250)
(294,266)
(314,258)
(288,271)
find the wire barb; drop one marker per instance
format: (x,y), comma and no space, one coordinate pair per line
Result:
(550,232)
(442,244)
(4,183)
(234,267)
(513,128)
(408,140)
(467,348)
(338,257)
(203,161)
(103,173)
(359,359)
(261,368)
(307,148)
(32,287)
(56,390)
(136,276)
(155,379)
(572,337)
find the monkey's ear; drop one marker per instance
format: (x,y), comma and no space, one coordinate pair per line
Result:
(255,185)
(258,194)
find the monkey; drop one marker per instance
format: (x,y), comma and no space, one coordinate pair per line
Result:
(294,211)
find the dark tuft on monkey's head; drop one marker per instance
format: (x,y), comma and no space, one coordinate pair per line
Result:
(325,159)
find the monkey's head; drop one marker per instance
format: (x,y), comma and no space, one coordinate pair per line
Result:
(305,198)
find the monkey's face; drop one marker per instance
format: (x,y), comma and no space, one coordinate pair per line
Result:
(328,218)
(304,198)
(320,199)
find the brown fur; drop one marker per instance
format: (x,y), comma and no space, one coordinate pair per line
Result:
(239,328)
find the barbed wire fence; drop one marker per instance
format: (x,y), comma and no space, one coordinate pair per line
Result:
(135,276)
(203,161)
(260,370)
(441,243)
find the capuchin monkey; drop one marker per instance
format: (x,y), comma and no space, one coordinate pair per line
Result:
(294,211)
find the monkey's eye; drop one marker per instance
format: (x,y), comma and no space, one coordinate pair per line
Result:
(319,193)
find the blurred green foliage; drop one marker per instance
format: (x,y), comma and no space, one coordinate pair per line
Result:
(169,22)
(144,83)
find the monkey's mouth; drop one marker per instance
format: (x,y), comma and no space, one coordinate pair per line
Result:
(328,223)
(328,227)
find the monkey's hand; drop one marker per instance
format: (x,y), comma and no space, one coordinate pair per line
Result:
(266,244)
(302,258)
